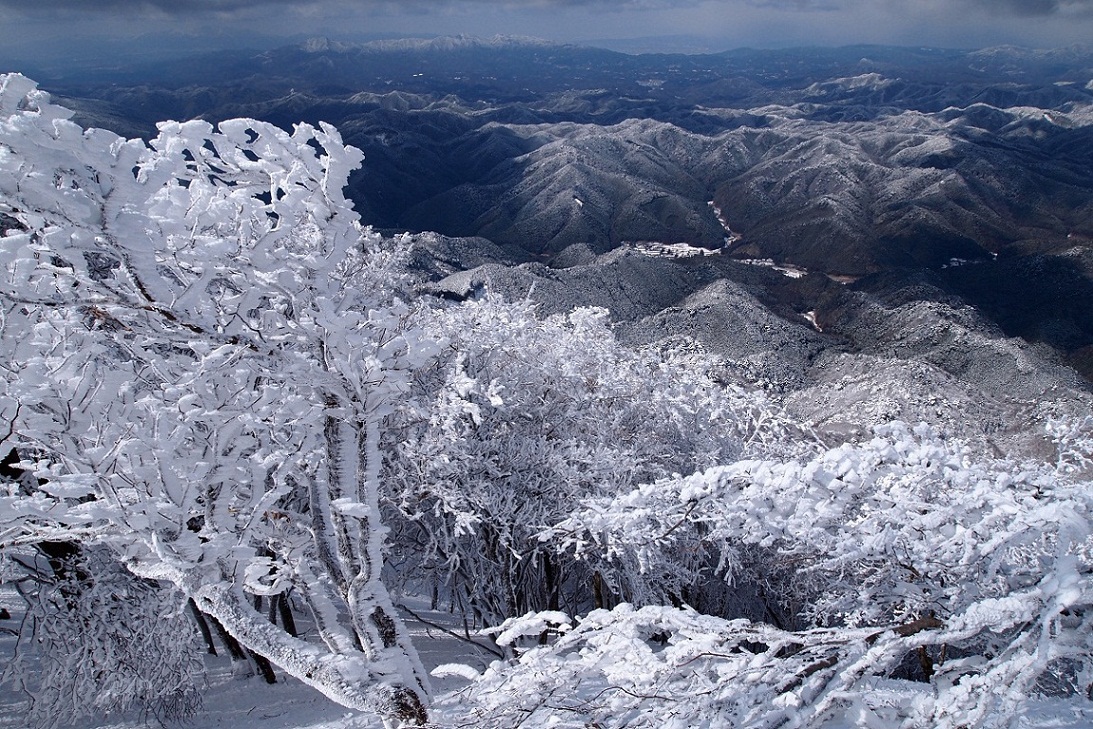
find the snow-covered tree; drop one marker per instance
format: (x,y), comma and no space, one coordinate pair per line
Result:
(97,640)
(1072,439)
(973,576)
(199,345)
(523,418)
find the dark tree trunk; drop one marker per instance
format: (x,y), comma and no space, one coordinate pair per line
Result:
(287,621)
(203,626)
(553,588)
(552,574)
(234,649)
(264,667)
(239,653)
(598,591)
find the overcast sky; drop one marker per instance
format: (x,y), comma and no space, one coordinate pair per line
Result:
(60,24)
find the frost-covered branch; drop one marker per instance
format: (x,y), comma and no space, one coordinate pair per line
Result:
(983,568)
(196,328)
(527,416)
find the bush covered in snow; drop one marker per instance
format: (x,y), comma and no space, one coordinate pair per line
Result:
(976,573)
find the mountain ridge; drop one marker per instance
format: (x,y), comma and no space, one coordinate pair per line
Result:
(902,187)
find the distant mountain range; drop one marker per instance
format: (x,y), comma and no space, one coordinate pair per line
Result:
(934,207)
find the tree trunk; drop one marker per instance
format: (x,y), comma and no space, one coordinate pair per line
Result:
(347,679)
(553,574)
(234,649)
(264,667)
(353,463)
(284,610)
(203,626)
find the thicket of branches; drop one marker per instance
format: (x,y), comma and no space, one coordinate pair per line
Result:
(519,420)
(967,577)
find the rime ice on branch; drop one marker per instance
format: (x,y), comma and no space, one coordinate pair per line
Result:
(199,343)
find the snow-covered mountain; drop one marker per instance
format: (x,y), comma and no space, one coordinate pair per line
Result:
(940,202)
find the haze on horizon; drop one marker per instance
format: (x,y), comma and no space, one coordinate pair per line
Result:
(50,29)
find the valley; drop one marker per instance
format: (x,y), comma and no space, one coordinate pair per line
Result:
(934,207)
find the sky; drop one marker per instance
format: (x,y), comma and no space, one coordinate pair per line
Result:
(56,27)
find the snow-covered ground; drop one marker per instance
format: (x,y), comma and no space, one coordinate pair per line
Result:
(248,702)
(239,702)
(673,250)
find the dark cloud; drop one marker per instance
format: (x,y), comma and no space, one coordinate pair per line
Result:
(1033,8)
(352,7)
(197,7)
(212,7)
(35,24)
(996,7)
(115,6)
